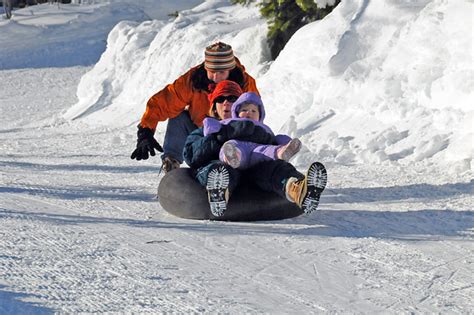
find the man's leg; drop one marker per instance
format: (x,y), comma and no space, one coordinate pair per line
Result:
(282,178)
(306,193)
(219,179)
(273,175)
(177,131)
(202,175)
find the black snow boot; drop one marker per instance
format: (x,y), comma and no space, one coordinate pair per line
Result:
(218,188)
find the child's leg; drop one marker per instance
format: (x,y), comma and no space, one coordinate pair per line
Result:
(230,154)
(286,152)
(236,153)
(263,152)
(267,152)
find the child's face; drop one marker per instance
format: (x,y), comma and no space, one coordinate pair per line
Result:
(249,111)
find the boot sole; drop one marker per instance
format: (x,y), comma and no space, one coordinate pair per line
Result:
(217,189)
(232,155)
(316,180)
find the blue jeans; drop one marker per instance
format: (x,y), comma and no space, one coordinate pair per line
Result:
(177,131)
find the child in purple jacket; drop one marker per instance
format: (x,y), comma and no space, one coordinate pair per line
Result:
(243,154)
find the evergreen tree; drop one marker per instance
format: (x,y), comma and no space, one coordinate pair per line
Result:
(285,17)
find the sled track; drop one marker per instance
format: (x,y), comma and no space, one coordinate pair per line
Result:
(91,267)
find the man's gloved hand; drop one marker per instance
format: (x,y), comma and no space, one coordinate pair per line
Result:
(146,144)
(235,130)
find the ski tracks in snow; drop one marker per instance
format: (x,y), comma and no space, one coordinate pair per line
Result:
(76,267)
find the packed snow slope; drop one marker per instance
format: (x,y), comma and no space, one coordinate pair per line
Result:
(374,82)
(45,30)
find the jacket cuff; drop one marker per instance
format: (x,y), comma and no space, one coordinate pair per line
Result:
(211,126)
(282,139)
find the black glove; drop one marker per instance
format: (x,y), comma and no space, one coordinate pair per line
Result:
(235,130)
(259,135)
(145,144)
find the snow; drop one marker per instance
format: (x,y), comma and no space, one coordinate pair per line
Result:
(401,92)
(380,91)
(45,31)
(324,3)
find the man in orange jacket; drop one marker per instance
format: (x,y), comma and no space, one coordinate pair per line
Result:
(185,103)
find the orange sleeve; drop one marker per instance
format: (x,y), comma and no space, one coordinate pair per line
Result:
(169,102)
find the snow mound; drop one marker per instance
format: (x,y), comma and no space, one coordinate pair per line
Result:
(142,58)
(379,82)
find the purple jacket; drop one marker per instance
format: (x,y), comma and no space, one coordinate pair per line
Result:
(212,125)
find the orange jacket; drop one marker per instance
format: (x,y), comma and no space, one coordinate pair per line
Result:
(173,99)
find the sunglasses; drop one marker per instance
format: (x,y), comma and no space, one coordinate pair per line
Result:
(222,99)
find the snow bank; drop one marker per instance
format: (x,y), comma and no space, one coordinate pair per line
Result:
(66,35)
(377,82)
(142,58)
(374,82)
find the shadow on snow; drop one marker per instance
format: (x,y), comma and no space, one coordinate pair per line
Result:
(408,225)
(81,167)
(81,192)
(10,303)
(418,192)
(394,193)
(416,225)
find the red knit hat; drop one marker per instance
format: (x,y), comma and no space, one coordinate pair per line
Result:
(223,87)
